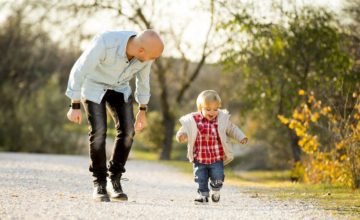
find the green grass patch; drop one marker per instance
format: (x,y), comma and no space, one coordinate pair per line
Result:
(183,166)
(338,200)
(144,155)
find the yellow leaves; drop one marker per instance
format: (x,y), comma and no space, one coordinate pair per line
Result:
(298,115)
(325,110)
(344,157)
(332,118)
(335,130)
(317,104)
(283,119)
(298,170)
(315,117)
(324,167)
(300,131)
(294,124)
(309,144)
(314,143)
(340,145)
(302,142)
(357,130)
(311,99)
(357,106)
(357,116)
(322,163)
(301,92)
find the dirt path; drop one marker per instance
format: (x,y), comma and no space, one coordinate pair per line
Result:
(34,186)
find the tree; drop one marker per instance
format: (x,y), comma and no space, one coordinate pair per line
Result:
(32,117)
(305,49)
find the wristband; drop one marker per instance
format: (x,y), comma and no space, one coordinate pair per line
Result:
(75,105)
(143,108)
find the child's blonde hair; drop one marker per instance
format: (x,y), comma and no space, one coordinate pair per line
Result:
(207,96)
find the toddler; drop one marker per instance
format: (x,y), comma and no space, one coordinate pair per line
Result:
(206,132)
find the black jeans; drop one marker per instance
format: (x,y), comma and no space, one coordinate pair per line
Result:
(123,116)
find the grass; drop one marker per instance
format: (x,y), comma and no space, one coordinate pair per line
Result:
(340,201)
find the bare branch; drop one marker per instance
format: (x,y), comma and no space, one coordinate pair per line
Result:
(205,54)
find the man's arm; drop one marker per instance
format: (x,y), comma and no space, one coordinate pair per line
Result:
(142,95)
(85,64)
(142,91)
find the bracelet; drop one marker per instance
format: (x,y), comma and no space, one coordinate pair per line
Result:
(75,105)
(143,108)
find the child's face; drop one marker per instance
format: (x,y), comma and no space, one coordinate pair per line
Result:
(210,110)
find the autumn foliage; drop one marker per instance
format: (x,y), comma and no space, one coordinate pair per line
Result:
(330,139)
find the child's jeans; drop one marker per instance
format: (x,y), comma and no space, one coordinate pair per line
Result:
(203,172)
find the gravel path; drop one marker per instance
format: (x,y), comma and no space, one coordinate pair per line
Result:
(34,186)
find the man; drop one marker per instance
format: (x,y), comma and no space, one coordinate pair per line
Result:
(100,78)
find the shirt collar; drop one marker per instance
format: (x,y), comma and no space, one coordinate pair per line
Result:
(122,47)
(203,119)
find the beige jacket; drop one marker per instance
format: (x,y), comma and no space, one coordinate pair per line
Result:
(225,128)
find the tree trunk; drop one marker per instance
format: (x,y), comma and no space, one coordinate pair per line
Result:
(355,164)
(167,115)
(169,127)
(297,168)
(295,146)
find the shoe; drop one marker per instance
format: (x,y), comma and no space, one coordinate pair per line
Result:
(116,192)
(201,199)
(215,196)
(100,194)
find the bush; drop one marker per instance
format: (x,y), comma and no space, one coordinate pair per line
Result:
(334,160)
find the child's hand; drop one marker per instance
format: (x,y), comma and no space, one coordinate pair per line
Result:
(183,138)
(244,141)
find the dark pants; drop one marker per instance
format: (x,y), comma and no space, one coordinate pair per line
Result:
(123,116)
(204,172)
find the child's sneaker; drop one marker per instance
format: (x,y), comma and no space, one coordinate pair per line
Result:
(215,196)
(201,199)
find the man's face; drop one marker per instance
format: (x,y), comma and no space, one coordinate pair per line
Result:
(210,110)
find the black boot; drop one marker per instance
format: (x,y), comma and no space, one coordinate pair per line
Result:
(100,194)
(116,192)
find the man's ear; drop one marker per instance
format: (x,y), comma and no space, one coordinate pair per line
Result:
(141,50)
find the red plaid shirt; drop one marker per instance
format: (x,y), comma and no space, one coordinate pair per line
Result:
(208,148)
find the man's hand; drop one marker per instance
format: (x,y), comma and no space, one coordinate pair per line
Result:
(140,122)
(74,115)
(183,138)
(244,141)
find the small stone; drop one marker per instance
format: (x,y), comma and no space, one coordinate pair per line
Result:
(255,196)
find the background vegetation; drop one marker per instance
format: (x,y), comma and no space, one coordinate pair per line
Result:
(290,78)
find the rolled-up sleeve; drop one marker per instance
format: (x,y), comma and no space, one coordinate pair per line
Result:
(142,91)
(85,64)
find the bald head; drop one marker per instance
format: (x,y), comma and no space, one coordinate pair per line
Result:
(150,45)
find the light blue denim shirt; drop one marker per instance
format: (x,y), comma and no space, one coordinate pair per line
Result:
(104,65)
